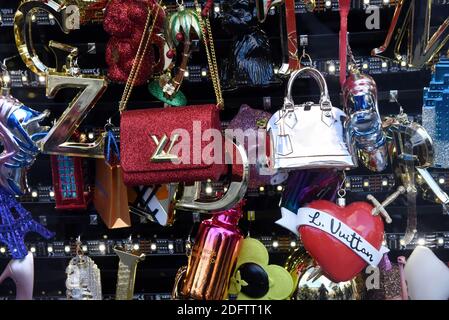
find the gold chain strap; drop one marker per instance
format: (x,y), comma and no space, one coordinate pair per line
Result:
(139,58)
(211,57)
(217,85)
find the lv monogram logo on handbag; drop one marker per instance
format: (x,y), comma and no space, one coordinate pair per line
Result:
(160,155)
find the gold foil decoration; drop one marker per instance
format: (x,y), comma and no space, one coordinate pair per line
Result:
(160,155)
(68,14)
(23,21)
(55,142)
(409,39)
(66,76)
(179,281)
(126,274)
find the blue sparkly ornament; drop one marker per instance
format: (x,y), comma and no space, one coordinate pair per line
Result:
(435,113)
(16,222)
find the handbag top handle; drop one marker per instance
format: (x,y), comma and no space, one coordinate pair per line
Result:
(325,101)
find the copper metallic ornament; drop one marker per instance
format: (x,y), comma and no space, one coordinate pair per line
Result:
(409,39)
(214,257)
(111,195)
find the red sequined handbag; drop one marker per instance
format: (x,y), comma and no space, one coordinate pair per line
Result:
(164,145)
(148,141)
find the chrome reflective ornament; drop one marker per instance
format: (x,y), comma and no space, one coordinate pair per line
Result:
(187,196)
(411,152)
(310,284)
(410,145)
(364,124)
(19,134)
(405,132)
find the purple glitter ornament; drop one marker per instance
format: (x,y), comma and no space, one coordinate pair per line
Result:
(385,263)
(251,124)
(305,186)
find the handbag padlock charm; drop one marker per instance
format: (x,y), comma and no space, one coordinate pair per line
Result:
(283,141)
(341,200)
(126,273)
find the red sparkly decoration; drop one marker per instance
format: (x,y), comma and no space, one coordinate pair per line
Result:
(207,8)
(125,22)
(171,53)
(180,37)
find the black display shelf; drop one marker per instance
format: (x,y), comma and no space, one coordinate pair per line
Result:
(156,273)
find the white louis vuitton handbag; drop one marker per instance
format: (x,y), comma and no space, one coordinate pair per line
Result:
(309,135)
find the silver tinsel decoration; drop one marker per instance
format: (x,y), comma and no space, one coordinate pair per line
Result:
(83,279)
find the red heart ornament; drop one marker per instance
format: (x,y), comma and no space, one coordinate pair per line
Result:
(338,262)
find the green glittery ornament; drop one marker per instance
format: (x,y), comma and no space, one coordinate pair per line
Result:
(178,99)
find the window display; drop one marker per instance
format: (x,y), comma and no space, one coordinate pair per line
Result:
(224,150)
